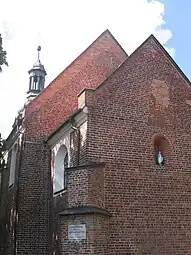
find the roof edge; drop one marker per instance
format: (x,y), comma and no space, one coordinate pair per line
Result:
(86,49)
(170,59)
(107,30)
(161,48)
(101,84)
(64,123)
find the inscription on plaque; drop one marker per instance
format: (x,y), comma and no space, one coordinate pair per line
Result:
(77,232)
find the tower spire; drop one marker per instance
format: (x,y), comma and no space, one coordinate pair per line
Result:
(36,77)
(39,49)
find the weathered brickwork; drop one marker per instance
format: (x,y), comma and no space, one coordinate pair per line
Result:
(34,200)
(128,204)
(51,108)
(97,235)
(59,100)
(85,186)
(150,205)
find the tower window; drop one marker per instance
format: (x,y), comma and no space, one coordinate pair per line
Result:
(61,163)
(35,79)
(35,82)
(161,150)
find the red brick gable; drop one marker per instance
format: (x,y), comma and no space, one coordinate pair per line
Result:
(151,62)
(59,100)
(146,97)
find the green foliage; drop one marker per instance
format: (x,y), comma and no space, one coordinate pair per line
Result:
(3,54)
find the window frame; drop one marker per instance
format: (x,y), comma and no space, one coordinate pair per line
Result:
(58,159)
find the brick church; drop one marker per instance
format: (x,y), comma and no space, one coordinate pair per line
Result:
(99,161)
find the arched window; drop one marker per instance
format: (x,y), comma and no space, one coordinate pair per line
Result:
(12,165)
(61,163)
(161,147)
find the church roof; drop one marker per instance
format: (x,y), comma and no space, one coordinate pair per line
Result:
(59,100)
(166,54)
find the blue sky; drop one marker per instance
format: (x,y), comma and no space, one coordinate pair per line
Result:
(66,28)
(178,19)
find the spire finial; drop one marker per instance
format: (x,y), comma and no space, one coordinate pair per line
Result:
(39,49)
(37,77)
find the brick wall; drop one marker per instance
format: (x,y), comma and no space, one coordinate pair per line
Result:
(150,205)
(7,209)
(85,188)
(59,100)
(33,234)
(43,116)
(144,99)
(96,235)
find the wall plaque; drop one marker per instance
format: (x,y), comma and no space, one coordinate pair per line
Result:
(77,232)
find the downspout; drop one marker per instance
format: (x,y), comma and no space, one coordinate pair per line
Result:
(17,190)
(75,128)
(50,201)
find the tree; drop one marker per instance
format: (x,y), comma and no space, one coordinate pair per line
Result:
(3,54)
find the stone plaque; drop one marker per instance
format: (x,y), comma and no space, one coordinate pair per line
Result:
(77,232)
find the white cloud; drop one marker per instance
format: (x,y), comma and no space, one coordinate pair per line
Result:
(64,29)
(171,51)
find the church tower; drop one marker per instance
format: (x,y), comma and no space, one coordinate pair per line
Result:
(37,78)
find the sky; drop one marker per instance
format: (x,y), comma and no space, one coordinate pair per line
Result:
(178,20)
(66,28)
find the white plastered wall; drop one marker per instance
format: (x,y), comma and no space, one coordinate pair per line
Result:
(62,138)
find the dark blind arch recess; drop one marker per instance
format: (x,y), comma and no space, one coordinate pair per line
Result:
(161,150)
